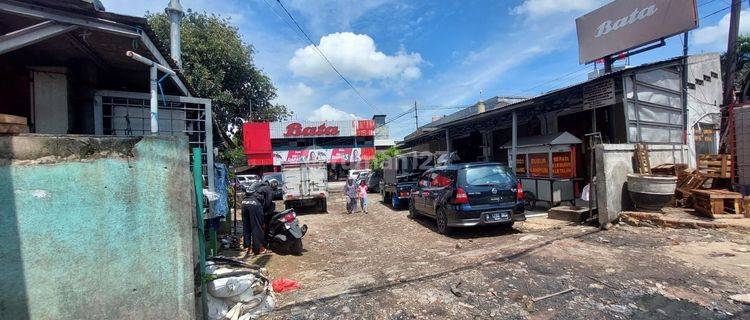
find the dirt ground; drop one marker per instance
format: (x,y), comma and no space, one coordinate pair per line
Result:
(383,265)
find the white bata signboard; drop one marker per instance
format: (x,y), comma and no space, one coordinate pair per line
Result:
(626,24)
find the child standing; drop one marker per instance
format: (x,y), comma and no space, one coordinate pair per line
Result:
(362,194)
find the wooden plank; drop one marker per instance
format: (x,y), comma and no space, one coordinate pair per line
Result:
(747,207)
(13,128)
(642,159)
(718,194)
(11,119)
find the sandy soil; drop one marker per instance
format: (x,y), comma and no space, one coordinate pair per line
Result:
(383,265)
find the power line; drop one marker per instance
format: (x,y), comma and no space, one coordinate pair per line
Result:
(713,13)
(705,3)
(326,58)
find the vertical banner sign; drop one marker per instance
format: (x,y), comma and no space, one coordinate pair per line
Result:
(539,164)
(521,164)
(562,165)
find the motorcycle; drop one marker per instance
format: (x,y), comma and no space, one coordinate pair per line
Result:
(283,233)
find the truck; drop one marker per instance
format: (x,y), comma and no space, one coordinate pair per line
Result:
(400,176)
(305,184)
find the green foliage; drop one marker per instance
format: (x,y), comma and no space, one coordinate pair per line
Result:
(381,157)
(234,156)
(219,65)
(742,65)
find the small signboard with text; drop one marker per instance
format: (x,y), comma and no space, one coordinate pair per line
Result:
(599,94)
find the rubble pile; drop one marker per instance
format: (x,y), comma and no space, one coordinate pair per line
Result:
(237,290)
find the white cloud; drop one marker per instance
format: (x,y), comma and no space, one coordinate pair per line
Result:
(296,96)
(356,56)
(303,89)
(327,112)
(324,15)
(535,9)
(715,37)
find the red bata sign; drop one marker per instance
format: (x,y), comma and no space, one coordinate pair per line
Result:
(296,130)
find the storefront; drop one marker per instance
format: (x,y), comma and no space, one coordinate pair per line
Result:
(645,104)
(343,145)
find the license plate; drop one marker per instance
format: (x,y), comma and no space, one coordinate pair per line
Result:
(497,216)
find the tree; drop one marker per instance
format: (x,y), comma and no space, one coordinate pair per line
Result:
(381,157)
(219,66)
(743,57)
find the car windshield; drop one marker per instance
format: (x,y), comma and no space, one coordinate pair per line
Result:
(489,175)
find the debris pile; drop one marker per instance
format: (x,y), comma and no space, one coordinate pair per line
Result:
(237,290)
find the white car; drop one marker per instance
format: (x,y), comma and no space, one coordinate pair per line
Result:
(247,179)
(353,174)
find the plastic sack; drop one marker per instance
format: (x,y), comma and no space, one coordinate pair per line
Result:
(217,308)
(283,285)
(586,192)
(231,286)
(211,196)
(256,291)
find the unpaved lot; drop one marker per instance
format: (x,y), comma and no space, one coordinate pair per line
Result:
(383,265)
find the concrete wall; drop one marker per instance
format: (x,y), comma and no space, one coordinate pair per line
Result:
(95,228)
(704,99)
(613,163)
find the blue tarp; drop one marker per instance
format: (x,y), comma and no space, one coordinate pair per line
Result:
(221,182)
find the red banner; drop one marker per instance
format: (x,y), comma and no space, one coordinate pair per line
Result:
(256,143)
(365,128)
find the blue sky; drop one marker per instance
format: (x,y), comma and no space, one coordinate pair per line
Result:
(439,53)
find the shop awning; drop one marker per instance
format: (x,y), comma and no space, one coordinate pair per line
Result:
(256,138)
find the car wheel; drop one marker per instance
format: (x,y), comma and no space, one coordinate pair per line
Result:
(412,210)
(394,201)
(441,219)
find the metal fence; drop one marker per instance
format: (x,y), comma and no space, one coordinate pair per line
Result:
(120,113)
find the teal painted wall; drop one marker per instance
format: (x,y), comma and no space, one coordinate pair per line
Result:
(95,228)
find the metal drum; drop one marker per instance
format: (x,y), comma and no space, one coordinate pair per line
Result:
(651,192)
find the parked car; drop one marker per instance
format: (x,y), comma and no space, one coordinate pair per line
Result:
(246,180)
(278,193)
(468,194)
(373,181)
(353,174)
(400,176)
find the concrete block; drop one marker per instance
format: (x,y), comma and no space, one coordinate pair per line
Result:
(568,213)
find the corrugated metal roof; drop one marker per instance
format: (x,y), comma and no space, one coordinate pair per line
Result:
(562,138)
(461,115)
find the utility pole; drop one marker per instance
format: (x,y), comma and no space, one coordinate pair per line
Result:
(731,59)
(685,124)
(416,116)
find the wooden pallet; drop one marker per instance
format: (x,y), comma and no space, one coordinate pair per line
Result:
(641,158)
(712,203)
(716,165)
(685,185)
(670,169)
